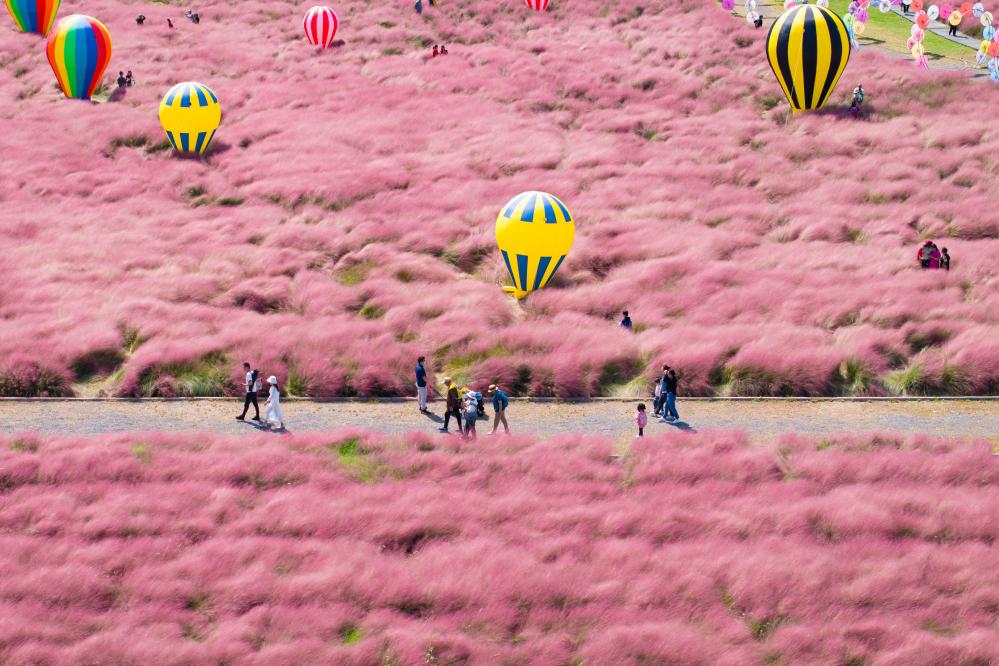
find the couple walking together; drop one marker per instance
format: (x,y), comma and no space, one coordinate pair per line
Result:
(272,408)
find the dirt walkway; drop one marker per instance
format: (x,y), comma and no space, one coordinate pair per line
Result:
(761,419)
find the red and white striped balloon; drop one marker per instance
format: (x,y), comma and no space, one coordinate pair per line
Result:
(320,26)
(538,5)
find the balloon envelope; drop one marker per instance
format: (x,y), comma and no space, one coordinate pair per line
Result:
(320,25)
(33,15)
(534,232)
(807,48)
(79,50)
(538,5)
(190,113)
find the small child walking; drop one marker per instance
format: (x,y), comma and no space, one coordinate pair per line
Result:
(642,418)
(471,409)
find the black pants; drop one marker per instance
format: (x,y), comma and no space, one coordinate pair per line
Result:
(457,417)
(905,8)
(953,31)
(251,398)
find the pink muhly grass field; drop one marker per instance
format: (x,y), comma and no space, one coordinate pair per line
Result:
(356,548)
(343,222)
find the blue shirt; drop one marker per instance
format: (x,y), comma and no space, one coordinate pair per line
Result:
(421,375)
(497,398)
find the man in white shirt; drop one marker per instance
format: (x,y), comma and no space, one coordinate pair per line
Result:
(252,385)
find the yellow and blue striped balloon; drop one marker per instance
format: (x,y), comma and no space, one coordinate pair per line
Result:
(534,232)
(808,48)
(190,113)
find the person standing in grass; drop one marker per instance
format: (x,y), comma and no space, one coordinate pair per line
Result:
(626,320)
(944,259)
(453,407)
(252,385)
(670,414)
(500,403)
(421,383)
(642,418)
(272,408)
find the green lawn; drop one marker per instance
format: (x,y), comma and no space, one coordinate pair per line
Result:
(888,31)
(891,31)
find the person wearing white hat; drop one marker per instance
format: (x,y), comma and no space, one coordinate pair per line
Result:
(272,408)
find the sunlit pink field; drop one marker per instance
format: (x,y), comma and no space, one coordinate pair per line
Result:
(365,550)
(343,223)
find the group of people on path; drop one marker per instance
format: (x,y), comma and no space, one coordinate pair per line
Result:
(664,402)
(463,404)
(272,408)
(442,50)
(930,256)
(125,79)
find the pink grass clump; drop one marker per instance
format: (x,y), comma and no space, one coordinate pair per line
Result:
(343,222)
(358,548)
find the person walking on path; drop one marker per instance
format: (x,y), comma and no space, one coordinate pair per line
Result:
(421,383)
(272,408)
(954,21)
(453,405)
(500,403)
(660,407)
(626,321)
(670,414)
(252,385)
(642,418)
(471,408)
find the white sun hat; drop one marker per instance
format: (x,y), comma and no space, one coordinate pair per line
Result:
(272,380)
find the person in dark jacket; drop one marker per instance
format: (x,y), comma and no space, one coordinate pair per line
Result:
(625,321)
(670,414)
(453,405)
(421,383)
(944,259)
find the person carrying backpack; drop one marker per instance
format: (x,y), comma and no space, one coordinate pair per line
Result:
(252,384)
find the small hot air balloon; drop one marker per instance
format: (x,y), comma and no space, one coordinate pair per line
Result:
(33,15)
(538,5)
(79,50)
(808,48)
(534,232)
(320,26)
(190,113)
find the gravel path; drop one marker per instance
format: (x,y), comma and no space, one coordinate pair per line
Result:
(761,419)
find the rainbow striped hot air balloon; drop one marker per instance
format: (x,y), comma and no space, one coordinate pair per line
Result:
(808,48)
(534,232)
(320,26)
(79,50)
(33,15)
(538,5)
(190,113)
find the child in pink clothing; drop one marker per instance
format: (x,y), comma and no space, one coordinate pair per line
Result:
(642,418)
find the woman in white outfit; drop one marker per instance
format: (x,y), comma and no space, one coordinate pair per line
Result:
(272,410)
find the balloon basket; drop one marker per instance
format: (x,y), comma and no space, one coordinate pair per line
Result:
(517,293)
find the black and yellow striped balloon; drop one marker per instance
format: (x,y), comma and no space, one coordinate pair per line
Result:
(808,47)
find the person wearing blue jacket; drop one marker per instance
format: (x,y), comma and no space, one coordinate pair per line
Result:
(500,403)
(421,383)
